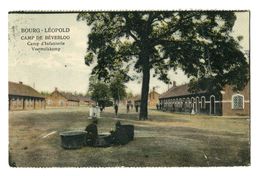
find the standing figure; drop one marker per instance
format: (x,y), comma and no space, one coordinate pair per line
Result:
(136,107)
(116,108)
(127,107)
(192,111)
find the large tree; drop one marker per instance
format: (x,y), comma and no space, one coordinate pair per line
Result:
(198,42)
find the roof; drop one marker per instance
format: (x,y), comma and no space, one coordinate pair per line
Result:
(84,98)
(20,89)
(69,96)
(175,91)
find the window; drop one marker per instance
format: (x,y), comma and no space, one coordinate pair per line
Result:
(237,101)
(31,103)
(212,108)
(197,103)
(20,101)
(188,102)
(14,102)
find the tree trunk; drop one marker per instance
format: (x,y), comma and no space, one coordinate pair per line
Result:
(145,91)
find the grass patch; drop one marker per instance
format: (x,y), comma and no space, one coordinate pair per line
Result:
(165,139)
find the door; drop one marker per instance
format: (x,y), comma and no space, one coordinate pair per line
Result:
(212,105)
(197,105)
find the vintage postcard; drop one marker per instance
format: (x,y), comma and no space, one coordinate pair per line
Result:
(129,88)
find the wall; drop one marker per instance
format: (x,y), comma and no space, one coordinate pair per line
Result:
(223,103)
(72,103)
(186,103)
(25,103)
(85,103)
(56,100)
(153,99)
(227,102)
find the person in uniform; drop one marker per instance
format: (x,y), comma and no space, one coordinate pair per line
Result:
(116,108)
(136,107)
(127,107)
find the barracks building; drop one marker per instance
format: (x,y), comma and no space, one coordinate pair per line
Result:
(223,103)
(24,97)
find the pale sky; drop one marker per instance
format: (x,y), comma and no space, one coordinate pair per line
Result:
(66,69)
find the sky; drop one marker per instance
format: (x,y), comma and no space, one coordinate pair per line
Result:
(66,69)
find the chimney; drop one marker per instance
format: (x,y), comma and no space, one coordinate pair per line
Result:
(20,82)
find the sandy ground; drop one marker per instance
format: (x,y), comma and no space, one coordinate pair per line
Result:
(166,139)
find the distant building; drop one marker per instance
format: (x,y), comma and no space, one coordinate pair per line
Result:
(153,98)
(85,101)
(226,102)
(24,97)
(61,99)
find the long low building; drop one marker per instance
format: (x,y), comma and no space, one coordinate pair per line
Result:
(66,99)
(85,101)
(61,99)
(24,97)
(223,103)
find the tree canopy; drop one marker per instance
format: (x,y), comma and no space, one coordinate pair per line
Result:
(117,87)
(99,91)
(102,91)
(198,42)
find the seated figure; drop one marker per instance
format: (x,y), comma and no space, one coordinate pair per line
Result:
(92,133)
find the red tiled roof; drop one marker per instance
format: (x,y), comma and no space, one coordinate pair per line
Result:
(20,89)
(178,91)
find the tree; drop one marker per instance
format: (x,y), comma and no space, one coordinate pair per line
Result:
(45,93)
(129,95)
(198,42)
(117,88)
(99,91)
